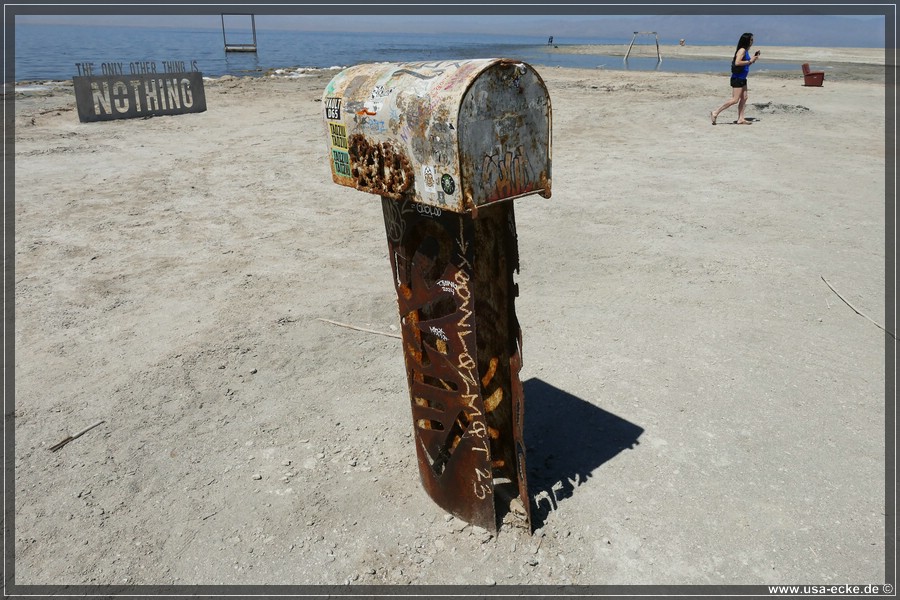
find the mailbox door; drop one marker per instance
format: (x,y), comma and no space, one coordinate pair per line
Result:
(504,134)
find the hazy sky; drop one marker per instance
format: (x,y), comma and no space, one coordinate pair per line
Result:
(785,29)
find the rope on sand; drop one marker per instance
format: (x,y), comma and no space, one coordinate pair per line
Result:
(393,335)
(856,311)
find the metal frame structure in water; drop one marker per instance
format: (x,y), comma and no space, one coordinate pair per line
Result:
(239,47)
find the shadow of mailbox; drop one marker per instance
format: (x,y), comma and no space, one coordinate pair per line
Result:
(568,439)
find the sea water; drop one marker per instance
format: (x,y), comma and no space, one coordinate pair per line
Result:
(51,52)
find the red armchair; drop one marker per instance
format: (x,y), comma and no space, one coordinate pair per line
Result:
(812,77)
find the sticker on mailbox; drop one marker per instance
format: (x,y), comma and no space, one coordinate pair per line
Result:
(341,161)
(448,184)
(333,109)
(340,156)
(338,136)
(428,176)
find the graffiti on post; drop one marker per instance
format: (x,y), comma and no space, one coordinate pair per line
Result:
(462,361)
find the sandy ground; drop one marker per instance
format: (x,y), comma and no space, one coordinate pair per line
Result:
(705,409)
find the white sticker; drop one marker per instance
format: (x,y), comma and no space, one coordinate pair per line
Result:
(428,176)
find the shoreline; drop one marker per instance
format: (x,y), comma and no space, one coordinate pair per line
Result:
(839,64)
(868,61)
(840,72)
(865,56)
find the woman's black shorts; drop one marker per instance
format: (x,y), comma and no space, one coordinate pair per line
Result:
(738,82)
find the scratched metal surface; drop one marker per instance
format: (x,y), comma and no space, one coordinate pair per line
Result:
(454,135)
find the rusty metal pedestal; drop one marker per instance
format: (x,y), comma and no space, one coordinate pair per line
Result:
(462,346)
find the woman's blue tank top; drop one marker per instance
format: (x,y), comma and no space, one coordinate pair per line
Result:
(746,70)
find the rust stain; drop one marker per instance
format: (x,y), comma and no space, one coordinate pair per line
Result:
(545,185)
(492,368)
(493,401)
(378,168)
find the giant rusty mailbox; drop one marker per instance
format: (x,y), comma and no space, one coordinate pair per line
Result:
(447,145)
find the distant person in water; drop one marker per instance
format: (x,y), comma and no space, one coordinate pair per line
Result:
(550,41)
(740,68)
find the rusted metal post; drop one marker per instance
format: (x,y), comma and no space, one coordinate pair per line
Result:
(445,145)
(454,280)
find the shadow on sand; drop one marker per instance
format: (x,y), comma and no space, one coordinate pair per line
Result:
(566,439)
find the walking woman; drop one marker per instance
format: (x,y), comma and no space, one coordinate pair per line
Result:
(740,67)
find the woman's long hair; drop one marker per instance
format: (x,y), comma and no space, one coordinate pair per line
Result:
(745,42)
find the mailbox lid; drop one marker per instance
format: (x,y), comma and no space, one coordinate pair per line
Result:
(394,129)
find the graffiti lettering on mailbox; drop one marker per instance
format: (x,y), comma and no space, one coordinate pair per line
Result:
(443,387)
(415,74)
(432,69)
(428,211)
(463,250)
(375,126)
(394,120)
(455,344)
(460,76)
(439,66)
(507,175)
(465,363)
